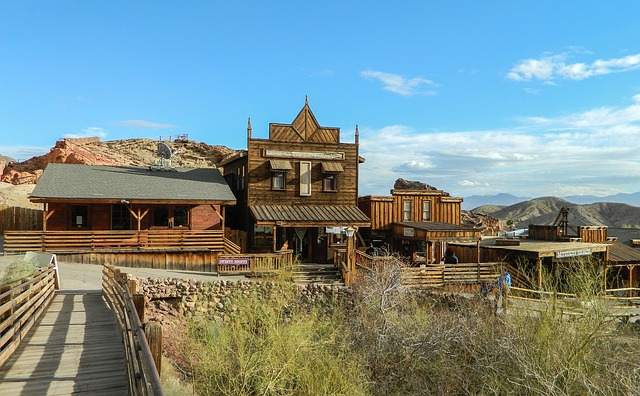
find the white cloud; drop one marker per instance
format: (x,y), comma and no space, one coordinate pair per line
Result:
(469,183)
(88,132)
(400,85)
(552,67)
(581,153)
(144,124)
(22,153)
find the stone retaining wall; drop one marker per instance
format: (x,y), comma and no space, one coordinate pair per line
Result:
(188,297)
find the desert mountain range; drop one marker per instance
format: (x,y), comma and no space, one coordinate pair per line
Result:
(18,180)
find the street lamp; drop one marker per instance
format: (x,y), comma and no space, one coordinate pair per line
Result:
(350,250)
(349,232)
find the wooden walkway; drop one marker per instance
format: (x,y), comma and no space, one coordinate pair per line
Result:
(75,349)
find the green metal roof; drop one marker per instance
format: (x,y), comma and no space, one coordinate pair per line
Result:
(98,182)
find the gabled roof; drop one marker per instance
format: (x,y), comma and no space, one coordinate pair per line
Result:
(304,128)
(67,182)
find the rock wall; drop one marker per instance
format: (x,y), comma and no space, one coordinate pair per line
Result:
(218,299)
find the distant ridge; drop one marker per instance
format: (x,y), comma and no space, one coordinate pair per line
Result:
(543,211)
(503,199)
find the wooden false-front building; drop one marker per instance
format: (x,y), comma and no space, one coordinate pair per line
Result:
(296,189)
(416,219)
(124,209)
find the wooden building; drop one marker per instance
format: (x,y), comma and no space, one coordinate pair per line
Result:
(417,219)
(118,209)
(297,188)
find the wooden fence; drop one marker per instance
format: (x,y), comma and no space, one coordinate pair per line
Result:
(570,305)
(94,241)
(431,276)
(21,305)
(13,218)
(143,365)
(255,262)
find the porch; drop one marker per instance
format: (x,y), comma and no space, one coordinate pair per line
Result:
(115,241)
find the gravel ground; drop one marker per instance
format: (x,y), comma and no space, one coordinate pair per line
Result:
(88,277)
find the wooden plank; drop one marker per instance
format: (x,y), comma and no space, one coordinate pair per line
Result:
(75,348)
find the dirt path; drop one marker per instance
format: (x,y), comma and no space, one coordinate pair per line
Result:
(88,277)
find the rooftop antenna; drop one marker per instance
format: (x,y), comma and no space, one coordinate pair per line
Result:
(164,162)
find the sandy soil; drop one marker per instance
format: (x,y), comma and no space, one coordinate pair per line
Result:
(17,195)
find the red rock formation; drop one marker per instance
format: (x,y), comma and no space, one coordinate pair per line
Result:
(130,152)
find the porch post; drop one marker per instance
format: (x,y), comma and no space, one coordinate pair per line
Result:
(275,239)
(45,216)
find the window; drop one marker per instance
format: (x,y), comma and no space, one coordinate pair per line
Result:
(305,178)
(181,216)
(406,210)
(426,210)
(278,180)
(161,216)
(79,216)
(330,182)
(240,178)
(263,235)
(120,217)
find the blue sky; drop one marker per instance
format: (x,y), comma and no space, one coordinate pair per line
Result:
(533,98)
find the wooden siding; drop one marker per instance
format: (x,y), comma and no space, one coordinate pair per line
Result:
(259,172)
(379,210)
(592,234)
(544,233)
(445,212)
(204,217)
(186,261)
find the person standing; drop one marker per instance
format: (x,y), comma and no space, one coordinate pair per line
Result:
(450,257)
(503,283)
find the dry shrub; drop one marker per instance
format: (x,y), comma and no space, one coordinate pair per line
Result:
(270,347)
(395,341)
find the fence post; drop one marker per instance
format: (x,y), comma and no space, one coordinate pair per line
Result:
(138,302)
(153,333)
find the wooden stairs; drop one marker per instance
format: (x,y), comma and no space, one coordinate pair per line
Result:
(318,274)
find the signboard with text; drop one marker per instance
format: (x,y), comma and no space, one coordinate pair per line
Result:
(573,253)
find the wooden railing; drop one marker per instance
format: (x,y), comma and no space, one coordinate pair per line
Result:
(340,261)
(21,305)
(450,274)
(231,247)
(142,369)
(569,304)
(255,262)
(92,241)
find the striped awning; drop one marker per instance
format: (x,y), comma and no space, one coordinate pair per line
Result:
(280,165)
(309,215)
(332,167)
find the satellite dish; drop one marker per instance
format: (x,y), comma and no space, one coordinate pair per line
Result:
(164,150)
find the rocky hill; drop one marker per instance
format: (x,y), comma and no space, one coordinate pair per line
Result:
(18,179)
(128,152)
(543,211)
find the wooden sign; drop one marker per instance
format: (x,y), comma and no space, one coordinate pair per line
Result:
(573,253)
(303,155)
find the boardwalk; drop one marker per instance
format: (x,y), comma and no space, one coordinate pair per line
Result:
(74,349)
